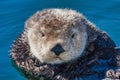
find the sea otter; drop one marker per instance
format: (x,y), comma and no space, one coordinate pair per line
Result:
(59,35)
(58,44)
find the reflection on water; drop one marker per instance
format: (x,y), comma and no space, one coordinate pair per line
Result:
(13,14)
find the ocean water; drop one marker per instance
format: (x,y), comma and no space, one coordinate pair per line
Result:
(105,14)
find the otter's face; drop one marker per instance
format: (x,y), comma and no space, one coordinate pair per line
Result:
(55,46)
(57,36)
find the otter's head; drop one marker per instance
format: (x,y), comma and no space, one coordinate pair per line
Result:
(56,35)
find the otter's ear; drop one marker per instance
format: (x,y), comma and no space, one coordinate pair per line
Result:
(92,31)
(32,20)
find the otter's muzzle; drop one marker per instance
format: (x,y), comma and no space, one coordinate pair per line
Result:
(57,49)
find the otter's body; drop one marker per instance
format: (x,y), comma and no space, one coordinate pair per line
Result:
(54,43)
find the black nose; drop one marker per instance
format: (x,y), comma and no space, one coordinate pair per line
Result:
(57,49)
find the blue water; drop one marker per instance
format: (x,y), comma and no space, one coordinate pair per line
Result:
(13,14)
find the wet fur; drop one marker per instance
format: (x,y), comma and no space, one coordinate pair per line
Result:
(32,67)
(57,25)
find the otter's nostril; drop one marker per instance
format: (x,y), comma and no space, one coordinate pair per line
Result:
(57,49)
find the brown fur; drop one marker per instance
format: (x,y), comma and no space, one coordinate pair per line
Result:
(58,27)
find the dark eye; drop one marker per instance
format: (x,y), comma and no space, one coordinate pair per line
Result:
(42,34)
(73,35)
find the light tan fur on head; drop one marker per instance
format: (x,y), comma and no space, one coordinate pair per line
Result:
(57,26)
